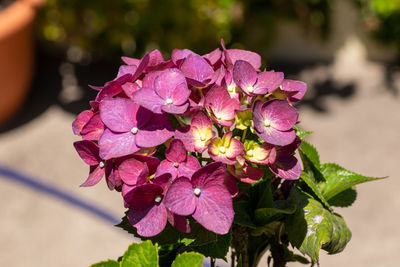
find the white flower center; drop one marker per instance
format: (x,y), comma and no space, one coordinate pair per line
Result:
(222,149)
(267,123)
(176,164)
(231,88)
(101,164)
(134,130)
(157,199)
(202,137)
(197,191)
(168,101)
(250,89)
(250,153)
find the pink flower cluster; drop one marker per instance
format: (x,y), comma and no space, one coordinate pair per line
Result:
(230,119)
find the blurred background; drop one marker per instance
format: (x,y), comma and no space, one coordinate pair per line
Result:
(347,51)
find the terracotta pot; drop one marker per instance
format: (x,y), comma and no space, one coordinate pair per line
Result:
(16,55)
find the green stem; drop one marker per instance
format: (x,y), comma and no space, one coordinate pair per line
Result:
(244,135)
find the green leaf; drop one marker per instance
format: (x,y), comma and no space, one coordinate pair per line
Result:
(308,178)
(313,227)
(200,235)
(265,215)
(302,134)
(144,254)
(260,194)
(242,216)
(311,153)
(217,249)
(339,179)
(109,263)
(190,259)
(344,199)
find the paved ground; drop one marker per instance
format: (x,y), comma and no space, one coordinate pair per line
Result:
(359,129)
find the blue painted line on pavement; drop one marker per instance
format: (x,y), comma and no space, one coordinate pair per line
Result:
(48,189)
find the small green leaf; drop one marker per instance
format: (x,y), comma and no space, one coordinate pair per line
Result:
(261,194)
(199,234)
(311,153)
(242,216)
(308,178)
(265,215)
(302,134)
(338,179)
(188,259)
(217,249)
(313,227)
(344,199)
(144,254)
(109,263)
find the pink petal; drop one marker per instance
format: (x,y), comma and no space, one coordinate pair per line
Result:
(287,168)
(93,129)
(113,88)
(267,82)
(185,134)
(151,162)
(214,210)
(149,222)
(213,173)
(201,120)
(81,121)
(173,109)
(231,185)
(244,75)
(133,172)
(95,175)
(171,83)
(257,114)
(298,87)
(188,167)
(276,137)
(148,98)
(214,56)
(176,151)
(130,61)
(113,145)
(238,54)
(118,114)
(281,115)
(155,132)
(167,166)
(179,222)
(197,68)
(180,198)
(88,151)
(178,55)
(130,88)
(126,69)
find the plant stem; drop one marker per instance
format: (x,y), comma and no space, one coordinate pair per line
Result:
(240,240)
(244,135)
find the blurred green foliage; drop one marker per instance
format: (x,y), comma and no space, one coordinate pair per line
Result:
(131,27)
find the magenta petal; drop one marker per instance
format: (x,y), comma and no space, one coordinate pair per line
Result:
(167,167)
(148,98)
(179,222)
(176,151)
(237,54)
(214,56)
(180,198)
(179,54)
(95,175)
(281,115)
(188,167)
(113,88)
(298,87)
(287,168)
(88,151)
(93,129)
(197,68)
(118,114)
(213,173)
(149,222)
(276,137)
(268,82)
(133,172)
(171,83)
(155,132)
(214,209)
(231,185)
(130,88)
(185,134)
(151,162)
(130,61)
(172,109)
(257,114)
(201,120)
(244,75)
(113,145)
(126,69)
(81,121)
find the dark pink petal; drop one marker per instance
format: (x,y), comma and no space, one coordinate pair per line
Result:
(178,55)
(268,82)
(231,185)
(130,88)
(258,117)
(213,173)
(133,172)
(148,98)
(172,109)
(214,210)
(180,198)
(179,222)
(188,167)
(167,166)
(201,120)
(214,56)
(287,168)
(176,151)
(246,173)
(276,137)
(297,87)
(118,114)
(156,132)
(144,62)
(93,129)
(238,54)
(244,76)
(144,196)
(94,105)
(281,115)
(113,88)
(113,145)
(88,151)
(235,148)
(148,80)
(95,175)
(185,134)
(195,67)
(155,58)
(171,84)
(81,121)
(289,149)
(163,180)
(151,162)
(126,69)
(221,105)
(113,179)
(148,222)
